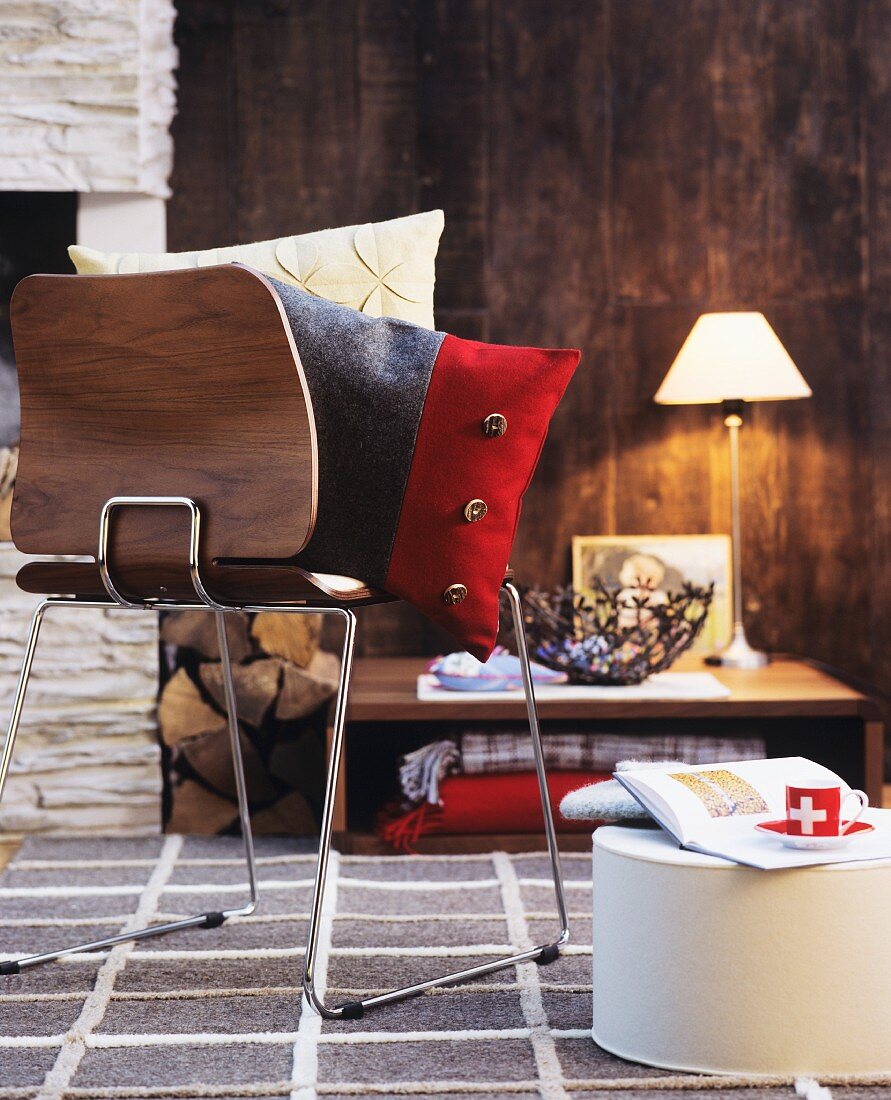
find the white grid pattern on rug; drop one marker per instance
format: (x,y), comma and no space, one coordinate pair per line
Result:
(217,1013)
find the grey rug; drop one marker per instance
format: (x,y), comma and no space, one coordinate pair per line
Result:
(217,1013)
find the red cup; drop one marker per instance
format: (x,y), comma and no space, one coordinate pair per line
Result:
(816,810)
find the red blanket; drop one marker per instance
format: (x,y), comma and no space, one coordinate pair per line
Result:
(505,803)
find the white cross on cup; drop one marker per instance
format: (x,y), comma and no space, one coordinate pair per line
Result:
(816,809)
(806,815)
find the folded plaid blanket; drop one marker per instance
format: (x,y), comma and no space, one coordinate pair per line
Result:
(476,753)
(511,752)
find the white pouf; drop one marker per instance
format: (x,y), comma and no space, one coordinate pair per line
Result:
(706,966)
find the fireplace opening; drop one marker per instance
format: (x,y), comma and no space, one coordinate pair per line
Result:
(36,228)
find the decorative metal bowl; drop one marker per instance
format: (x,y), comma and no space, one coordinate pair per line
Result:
(611,637)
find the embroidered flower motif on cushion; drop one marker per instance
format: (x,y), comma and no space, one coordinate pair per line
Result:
(380,274)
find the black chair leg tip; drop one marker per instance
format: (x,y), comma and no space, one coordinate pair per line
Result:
(10,968)
(213,920)
(352,1010)
(548,955)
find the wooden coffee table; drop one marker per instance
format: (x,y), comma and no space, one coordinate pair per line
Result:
(797,708)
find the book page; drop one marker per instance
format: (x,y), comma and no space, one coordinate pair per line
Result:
(706,803)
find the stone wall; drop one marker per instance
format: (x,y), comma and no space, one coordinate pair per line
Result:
(87,757)
(86,95)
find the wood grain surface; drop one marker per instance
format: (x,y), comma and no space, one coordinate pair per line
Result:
(386,689)
(180,383)
(799,710)
(608,171)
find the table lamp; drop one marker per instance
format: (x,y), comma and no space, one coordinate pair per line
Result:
(732,358)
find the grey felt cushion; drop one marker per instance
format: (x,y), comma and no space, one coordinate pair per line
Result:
(367,378)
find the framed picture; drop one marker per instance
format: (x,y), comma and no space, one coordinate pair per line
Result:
(661,562)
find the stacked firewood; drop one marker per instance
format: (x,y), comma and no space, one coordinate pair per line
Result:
(9,460)
(283,684)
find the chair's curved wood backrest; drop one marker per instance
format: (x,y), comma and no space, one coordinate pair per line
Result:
(176,383)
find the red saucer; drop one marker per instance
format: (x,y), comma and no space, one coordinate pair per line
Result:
(779,827)
(812,843)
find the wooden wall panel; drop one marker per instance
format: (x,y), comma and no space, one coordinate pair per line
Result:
(663,476)
(453,101)
(739,188)
(296,123)
(814,148)
(876,112)
(608,170)
(808,493)
(549,164)
(660,130)
(387,85)
(201,211)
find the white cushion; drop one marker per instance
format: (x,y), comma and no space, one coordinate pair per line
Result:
(382,268)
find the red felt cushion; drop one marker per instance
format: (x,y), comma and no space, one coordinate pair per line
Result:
(455,462)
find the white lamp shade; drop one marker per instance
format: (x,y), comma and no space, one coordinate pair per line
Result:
(731,357)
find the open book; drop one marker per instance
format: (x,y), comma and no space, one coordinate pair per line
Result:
(714,808)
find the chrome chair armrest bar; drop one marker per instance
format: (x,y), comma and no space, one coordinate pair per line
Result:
(194,543)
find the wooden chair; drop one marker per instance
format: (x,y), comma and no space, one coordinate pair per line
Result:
(168,437)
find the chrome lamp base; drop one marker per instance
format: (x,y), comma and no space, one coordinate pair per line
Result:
(739,654)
